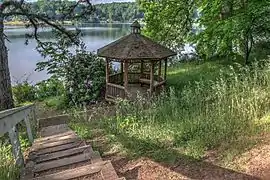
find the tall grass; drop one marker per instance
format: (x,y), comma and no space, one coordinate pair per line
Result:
(200,116)
(8,168)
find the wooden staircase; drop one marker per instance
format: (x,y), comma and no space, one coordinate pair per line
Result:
(61,155)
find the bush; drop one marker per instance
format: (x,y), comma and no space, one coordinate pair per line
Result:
(23,92)
(85,77)
(82,72)
(49,88)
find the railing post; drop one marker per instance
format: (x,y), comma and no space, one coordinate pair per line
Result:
(16,146)
(28,128)
(34,117)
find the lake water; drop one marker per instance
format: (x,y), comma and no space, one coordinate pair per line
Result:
(23,58)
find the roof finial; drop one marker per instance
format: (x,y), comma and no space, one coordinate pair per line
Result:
(136,27)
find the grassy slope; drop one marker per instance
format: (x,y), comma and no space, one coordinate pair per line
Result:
(188,122)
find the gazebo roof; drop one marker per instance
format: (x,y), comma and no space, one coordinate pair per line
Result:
(134,47)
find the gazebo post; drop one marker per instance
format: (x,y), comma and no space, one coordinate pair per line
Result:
(152,77)
(126,77)
(165,71)
(159,68)
(142,67)
(107,75)
(122,71)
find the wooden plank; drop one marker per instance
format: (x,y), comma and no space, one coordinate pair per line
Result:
(159,68)
(53,130)
(29,129)
(165,70)
(60,154)
(116,86)
(16,146)
(108,172)
(152,77)
(27,172)
(40,146)
(59,148)
(55,137)
(9,120)
(62,162)
(95,157)
(75,173)
(126,77)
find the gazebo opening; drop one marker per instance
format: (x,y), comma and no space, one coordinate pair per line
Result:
(143,65)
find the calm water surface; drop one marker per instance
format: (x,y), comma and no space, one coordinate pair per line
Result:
(23,59)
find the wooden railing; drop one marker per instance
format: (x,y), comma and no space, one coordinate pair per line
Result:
(114,91)
(8,124)
(116,78)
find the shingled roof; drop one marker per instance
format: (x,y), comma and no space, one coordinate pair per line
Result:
(135,46)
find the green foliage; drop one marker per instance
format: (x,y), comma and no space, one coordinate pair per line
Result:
(217,28)
(49,88)
(82,72)
(8,170)
(57,102)
(23,92)
(109,12)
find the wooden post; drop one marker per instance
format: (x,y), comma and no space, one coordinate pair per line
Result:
(159,68)
(107,75)
(122,72)
(34,117)
(165,71)
(152,77)
(16,146)
(28,129)
(142,67)
(126,78)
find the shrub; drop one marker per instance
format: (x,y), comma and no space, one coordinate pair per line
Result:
(49,88)
(82,72)
(23,92)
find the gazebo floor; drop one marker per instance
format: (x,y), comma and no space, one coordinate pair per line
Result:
(136,90)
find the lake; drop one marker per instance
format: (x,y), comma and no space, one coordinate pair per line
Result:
(23,58)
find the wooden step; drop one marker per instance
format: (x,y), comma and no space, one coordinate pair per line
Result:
(55,137)
(37,146)
(54,130)
(62,162)
(96,157)
(59,148)
(61,154)
(99,167)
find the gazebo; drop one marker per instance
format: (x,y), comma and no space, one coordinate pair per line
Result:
(141,63)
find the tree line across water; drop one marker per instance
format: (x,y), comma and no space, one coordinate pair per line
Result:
(109,12)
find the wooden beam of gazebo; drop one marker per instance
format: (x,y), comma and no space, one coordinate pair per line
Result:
(131,49)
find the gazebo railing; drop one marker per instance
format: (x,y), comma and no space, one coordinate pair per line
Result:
(133,77)
(116,78)
(114,91)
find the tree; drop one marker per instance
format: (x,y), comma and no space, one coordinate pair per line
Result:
(217,27)
(10,8)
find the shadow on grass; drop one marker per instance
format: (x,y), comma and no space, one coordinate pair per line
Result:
(177,162)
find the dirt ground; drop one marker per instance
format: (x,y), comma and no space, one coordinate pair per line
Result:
(255,164)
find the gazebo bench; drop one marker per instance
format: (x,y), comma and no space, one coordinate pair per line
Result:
(147,81)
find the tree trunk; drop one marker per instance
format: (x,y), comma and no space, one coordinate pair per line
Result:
(6,100)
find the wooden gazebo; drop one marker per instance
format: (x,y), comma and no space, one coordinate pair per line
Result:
(141,60)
